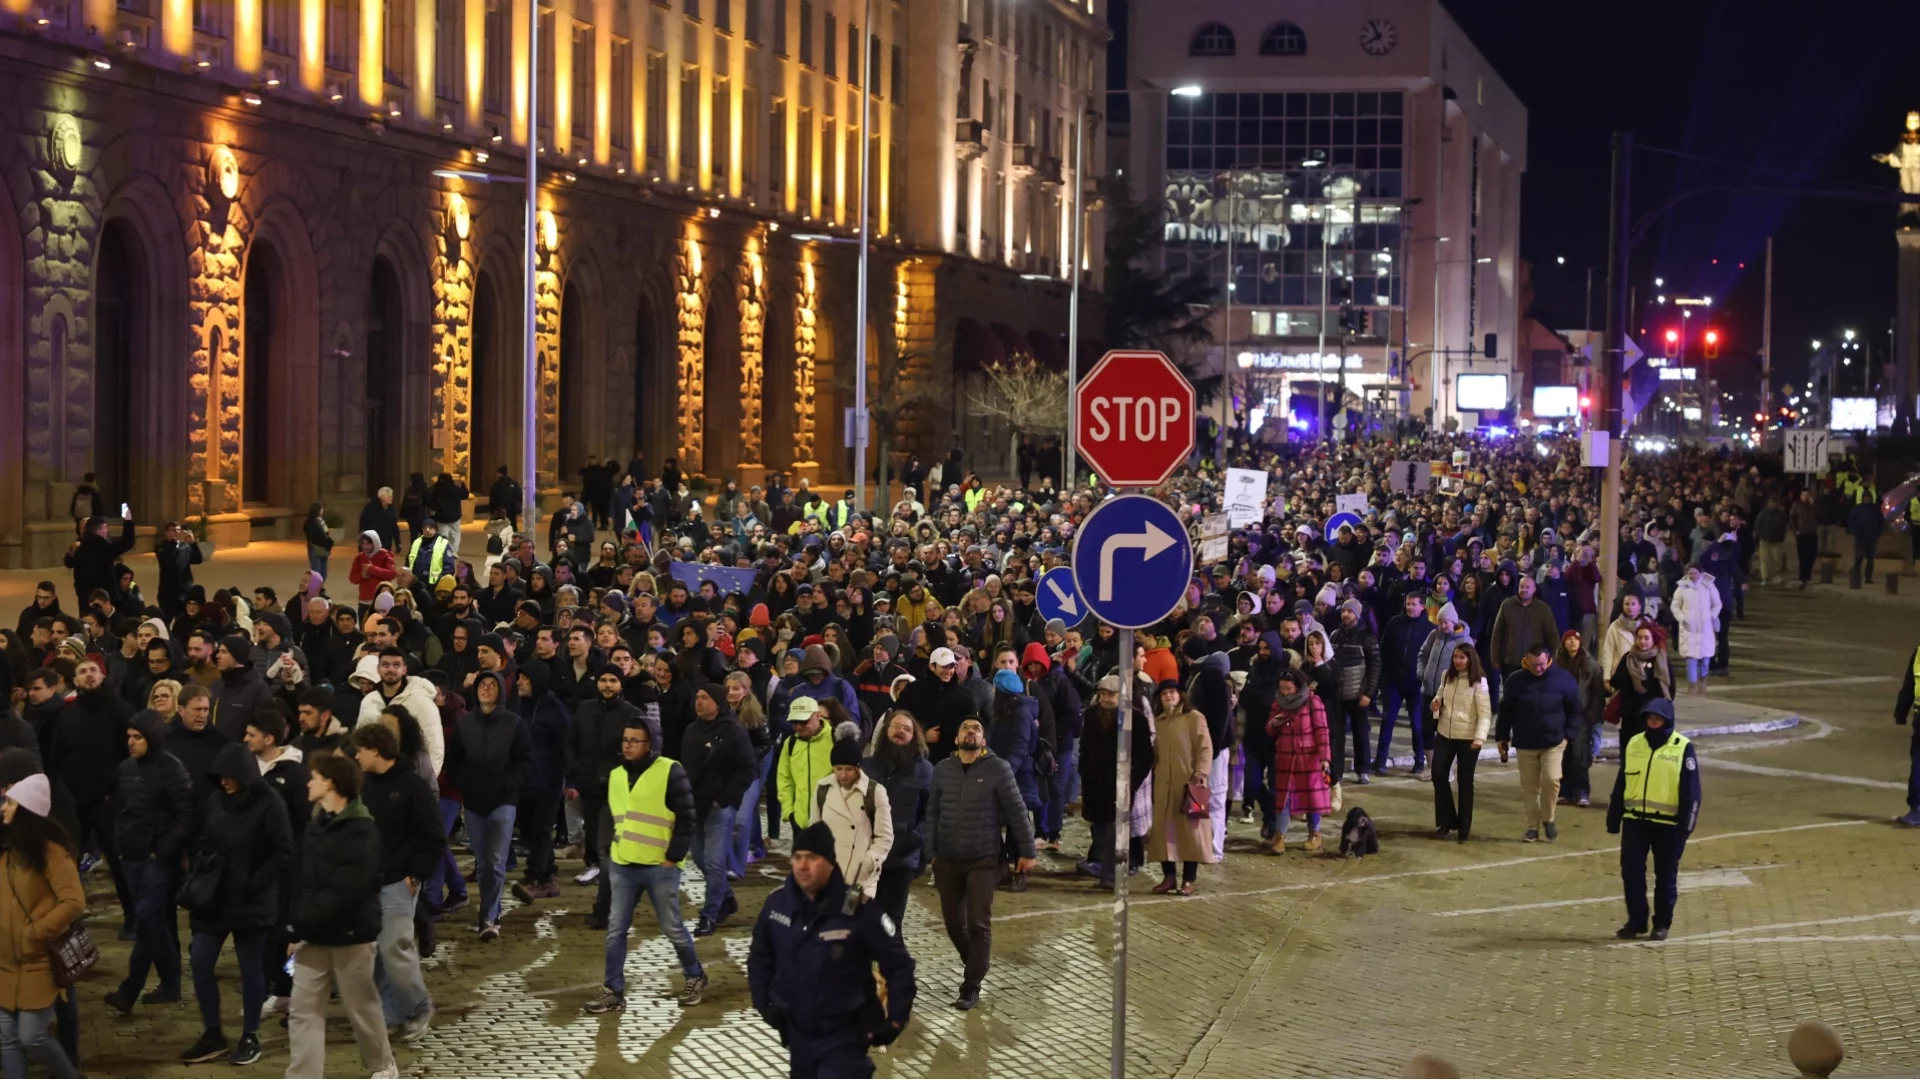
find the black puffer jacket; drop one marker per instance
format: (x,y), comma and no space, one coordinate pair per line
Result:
(239,692)
(971,805)
(337,901)
(489,755)
(154,796)
(405,807)
(88,741)
(719,759)
(593,742)
(248,832)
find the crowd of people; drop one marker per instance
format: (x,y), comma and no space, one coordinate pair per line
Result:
(683,681)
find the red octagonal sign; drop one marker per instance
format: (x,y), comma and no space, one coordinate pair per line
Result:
(1134,421)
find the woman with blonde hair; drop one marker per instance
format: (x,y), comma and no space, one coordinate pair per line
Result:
(164,698)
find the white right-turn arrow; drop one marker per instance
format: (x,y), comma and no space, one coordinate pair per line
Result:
(1151,540)
(1064,597)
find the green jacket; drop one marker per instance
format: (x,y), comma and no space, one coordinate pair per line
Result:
(803,764)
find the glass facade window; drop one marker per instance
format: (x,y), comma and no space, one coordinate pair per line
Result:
(1286,176)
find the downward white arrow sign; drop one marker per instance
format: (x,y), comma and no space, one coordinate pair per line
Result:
(1066,598)
(1151,540)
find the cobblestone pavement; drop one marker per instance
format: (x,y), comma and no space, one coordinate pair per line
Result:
(1798,902)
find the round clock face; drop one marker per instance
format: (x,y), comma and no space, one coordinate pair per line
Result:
(1378,36)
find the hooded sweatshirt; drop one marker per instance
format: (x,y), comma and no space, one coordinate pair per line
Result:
(250,830)
(153,795)
(830,687)
(548,721)
(416,696)
(719,758)
(370,569)
(490,751)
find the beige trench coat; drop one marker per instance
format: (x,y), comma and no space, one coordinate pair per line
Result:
(1182,753)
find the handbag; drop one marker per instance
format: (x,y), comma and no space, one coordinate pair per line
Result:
(1199,800)
(200,891)
(1612,715)
(71,953)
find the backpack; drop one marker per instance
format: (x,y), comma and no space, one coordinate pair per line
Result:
(820,801)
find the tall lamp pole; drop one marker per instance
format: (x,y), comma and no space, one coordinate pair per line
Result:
(1076,234)
(860,298)
(530,375)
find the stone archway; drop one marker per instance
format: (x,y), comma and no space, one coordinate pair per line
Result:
(777,394)
(137,399)
(583,370)
(655,364)
(721,365)
(398,376)
(494,394)
(13,384)
(280,367)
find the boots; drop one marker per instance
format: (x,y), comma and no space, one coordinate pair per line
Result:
(1313,842)
(1278,846)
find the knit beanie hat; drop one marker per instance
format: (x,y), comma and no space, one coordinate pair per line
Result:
(1009,681)
(817,838)
(33,793)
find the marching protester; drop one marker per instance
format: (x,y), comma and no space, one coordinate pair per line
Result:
(43,883)
(975,801)
(1462,719)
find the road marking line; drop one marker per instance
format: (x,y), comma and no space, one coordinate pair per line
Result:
(1799,774)
(1399,875)
(1716,935)
(1690,881)
(1826,680)
(1810,939)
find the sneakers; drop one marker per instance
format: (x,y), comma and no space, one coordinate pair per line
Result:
(88,862)
(276,1006)
(968,1000)
(415,1029)
(1533,836)
(588,876)
(1553,832)
(705,927)
(1911,820)
(1246,816)
(160,995)
(608,1001)
(119,1001)
(1659,934)
(212,1044)
(1629,932)
(693,991)
(246,1051)
(1583,801)
(490,932)
(391,1072)
(729,907)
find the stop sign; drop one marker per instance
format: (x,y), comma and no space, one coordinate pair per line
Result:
(1134,420)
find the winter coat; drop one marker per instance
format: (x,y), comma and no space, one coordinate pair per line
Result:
(248,833)
(1210,695)
(1356,657)
(831,687)
(93,561)
(1696,610)
(1616,641)
(860,843)
(1537,712)
(971,806)
(1518,627)
(1012,740)
(1183,754)
(1301,749)
(1464,712)
(369,570)
(176,560)
(938,705)
(489,755)
(198,751)
(38,907)
(416,695)
(239,692)
(593,741)
(1400,649)
(87,742)
(798,770)
(720,762)
(1436,658)
(154,799)
(407,811)
(908,789)
(1099,746)
(337,901)
(382,521)
(548,722)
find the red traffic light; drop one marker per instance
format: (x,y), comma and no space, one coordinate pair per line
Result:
(1673,343)
(1585,402)
(1712,339)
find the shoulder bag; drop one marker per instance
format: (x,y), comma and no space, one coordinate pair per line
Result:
(71,953)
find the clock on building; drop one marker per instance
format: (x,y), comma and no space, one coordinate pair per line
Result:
(1378,36)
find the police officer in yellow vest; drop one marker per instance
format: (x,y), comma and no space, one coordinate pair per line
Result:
(1655,805)
(650,802)
(1902,710)
(429,557)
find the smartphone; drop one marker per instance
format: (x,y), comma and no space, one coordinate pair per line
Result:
(125,510)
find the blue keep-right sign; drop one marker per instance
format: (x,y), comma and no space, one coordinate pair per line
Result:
(1059,596)
(1337,520)
(1132,561)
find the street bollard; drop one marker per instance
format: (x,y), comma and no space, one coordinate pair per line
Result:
(1430,1066)
(1815,1049)
(1893,584)
(1853,577)
(1826,573)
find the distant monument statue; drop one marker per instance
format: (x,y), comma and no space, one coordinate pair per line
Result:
(1907,159)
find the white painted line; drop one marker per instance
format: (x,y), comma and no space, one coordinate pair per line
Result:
(1741,688)
(1797,774)
(1401,875)
(1690,881)
(1811,939)
(1743,933)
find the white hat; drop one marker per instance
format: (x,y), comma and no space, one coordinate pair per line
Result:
(801,709)
(942,657)
(33,793)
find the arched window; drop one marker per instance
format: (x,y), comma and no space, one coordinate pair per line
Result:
(1283,39)
(1212,39)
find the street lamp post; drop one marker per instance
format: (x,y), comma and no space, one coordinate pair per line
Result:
(860,435)
(530,378)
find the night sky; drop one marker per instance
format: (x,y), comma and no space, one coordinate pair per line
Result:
(1775,93)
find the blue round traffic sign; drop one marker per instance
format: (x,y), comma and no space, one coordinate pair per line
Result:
(1059,596)
(1337,520)
(1132,560)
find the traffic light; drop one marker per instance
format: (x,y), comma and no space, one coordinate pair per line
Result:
(1712,340)
(1672,339)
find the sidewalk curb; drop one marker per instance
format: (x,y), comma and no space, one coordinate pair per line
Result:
(1610,742)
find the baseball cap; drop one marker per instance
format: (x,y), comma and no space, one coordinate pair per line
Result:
(942,657)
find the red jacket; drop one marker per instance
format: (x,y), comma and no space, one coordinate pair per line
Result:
(369,571)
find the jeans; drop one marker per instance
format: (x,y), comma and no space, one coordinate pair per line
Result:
(593,838)
(248,946)
(1808,549)
(1218,779)
(712,846)
(96,834)
(1070,768)
(1863,552)
(1667,843)
(745,831)
(156,942)
(396,968)
(966,906)
(1100,850)
(536,831)
(491,836)
(27,1033)
(662,886)
(1913,771)
(1057,791)
(1285,812)
(1447,754)
(446,876)
(1697,668)
(1539,783)
(1577,782)
(317,560)
(770,791)
(1390,702)
(1773,561)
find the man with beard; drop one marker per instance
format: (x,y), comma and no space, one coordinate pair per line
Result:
(940,702)
(974,800)
(320,731)
(87,744)
(241,689)
(593,750)
(411,692)
(899,764)
(1100,741)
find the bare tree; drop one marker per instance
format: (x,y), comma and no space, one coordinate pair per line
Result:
(1026,396)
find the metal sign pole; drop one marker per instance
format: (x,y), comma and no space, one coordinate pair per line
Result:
(1122,832)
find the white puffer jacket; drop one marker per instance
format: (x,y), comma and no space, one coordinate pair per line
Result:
(1696,608)
(1465,711)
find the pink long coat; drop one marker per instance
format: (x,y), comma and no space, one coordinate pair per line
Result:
(1299,746)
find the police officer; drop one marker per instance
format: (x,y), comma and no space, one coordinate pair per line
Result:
(1655,805)
(1902,709)
(811,966)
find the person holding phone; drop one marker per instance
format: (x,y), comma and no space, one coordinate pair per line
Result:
(94,553)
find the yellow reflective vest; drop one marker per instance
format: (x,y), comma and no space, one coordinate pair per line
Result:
(437,567)
(1653,778)
(642,824)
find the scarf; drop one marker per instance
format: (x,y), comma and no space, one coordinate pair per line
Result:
(1290,702)
(1638,662)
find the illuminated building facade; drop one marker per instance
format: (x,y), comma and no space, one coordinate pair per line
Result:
(237,284)
(1315,157)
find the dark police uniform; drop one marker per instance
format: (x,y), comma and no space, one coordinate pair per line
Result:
(1655,805)
(811,972)
(1902,709)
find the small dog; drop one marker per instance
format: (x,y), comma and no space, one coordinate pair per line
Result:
(1357,837)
